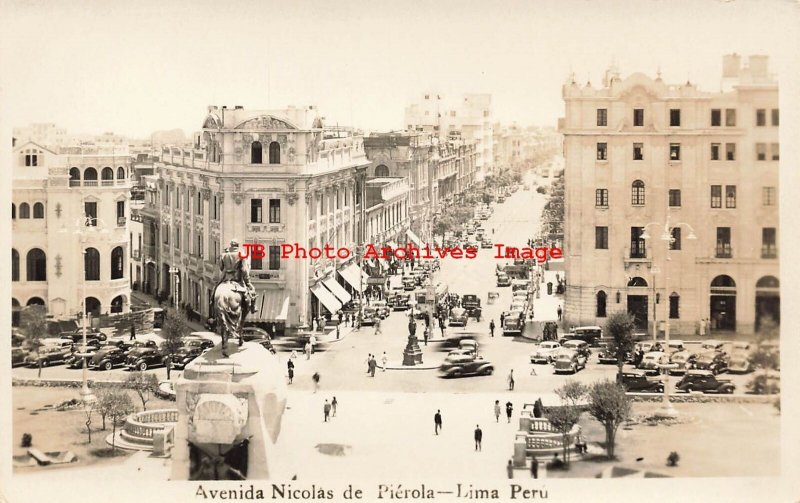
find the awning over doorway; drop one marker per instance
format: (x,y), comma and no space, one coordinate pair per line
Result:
(327,299)
(273,305)
(336,289)
(353,275)
(414,238)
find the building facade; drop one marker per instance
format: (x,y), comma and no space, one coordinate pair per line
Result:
(262,177)
(70,229)
(641,155)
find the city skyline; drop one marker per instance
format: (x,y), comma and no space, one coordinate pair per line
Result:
(165,60)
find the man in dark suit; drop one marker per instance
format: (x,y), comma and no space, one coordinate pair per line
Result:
(478,437)
(437,421)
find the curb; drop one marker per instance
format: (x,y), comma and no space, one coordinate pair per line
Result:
(703,398)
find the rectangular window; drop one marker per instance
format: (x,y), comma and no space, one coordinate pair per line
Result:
(177,237)
(602,151)
(338,199)
(674,197)
(637,243)
(274,258)
(213,207)
(166,197)
(675,242)
(165,233)
(769,248)
(199,205)
(761,117)
(638,151)
(256,264)
(602,117)
(775,151)
(730,117)
(716,117)
(724,242)
(90,210)
(120,211)
(601,197)
(255,211)
(716,196)
(730,196)
(730,151)
(674,309)
(675,117)
(638,116)
(274,211)
(674,151)
(601,238)
(775,117)
(761,151)
(715,151)
(768,196)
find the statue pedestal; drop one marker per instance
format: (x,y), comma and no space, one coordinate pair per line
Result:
(229,415)
(412,354)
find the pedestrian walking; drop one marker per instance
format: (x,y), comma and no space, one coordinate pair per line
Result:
(133,332)
(510,469)
(502,318)
(497,410)
(337,332)
(437,421)
(315,378)
(509,410)
(559,312)
(478,437)
(313,342)
(491,327)
(334,404)
(291,374)
(372,365)
(535,468)
(378,326)
(511,380)
(369,358)
(384,360)
(340,317)
(308,350)
(326,409)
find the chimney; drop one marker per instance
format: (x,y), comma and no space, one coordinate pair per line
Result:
(758,65)
(731,64)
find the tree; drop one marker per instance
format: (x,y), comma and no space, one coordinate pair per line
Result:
(144,384)
(173,330)
(572,392)
(114,404)
(566,416)
(620,327)
(611,407)
(34,326)
(88,408)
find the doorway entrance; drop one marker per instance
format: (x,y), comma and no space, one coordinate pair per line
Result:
(637,307)
(768,300)
(723,303)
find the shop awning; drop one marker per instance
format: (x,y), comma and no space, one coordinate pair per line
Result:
(336,289)
(352,275)
(273,305)
(327,299)
(414,238)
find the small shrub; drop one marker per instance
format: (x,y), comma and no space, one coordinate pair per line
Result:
(673,458)
(27,440)
(764,385)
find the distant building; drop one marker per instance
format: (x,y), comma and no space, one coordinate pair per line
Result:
(639,151)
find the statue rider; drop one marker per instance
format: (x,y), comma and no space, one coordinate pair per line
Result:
(234,268)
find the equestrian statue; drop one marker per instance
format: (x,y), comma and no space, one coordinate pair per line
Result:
(234,295)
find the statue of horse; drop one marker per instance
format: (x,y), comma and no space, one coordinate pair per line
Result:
(229,312)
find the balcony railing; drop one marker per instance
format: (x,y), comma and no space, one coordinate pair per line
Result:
(769,252)
(74,183)
(268,275)
(724,251)
(90,183)
(121,221)
(108,183)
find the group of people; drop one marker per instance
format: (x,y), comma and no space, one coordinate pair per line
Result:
(329,409)
(372,363)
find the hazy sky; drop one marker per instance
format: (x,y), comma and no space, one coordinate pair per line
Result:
(139,66)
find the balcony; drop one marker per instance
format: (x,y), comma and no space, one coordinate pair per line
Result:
(121,221)
(723,251)
(266,275)
(136,255)
(636,256)
(768,251)
(107,183)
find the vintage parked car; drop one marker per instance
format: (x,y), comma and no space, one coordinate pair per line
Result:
(409,283)
(715,361)
(675,346)
(577,345)
(143,358)
(684,360)
(712,345)
(18,356)
(591,334)
(740,361)
(458,317)
(638,381)
(48,355)
(465,364)
(472,304)
(77,335)
(545,352)
(568,361)
(185,355)
(369,315)
(108,358)
(503,279)
(401,302)
(469,345)
(198,339)
(607,354)
(252,333)
(486,243)
(381,308)
(705,381)
(653,361)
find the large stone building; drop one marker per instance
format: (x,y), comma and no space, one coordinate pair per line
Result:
(70,228)
(641,153)
(266,177)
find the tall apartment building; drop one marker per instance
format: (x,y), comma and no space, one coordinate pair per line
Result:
(641,153)
(266,177)
(70,228)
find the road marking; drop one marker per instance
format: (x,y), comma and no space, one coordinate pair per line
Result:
(746,410)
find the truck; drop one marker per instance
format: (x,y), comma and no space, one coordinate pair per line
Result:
(472,304)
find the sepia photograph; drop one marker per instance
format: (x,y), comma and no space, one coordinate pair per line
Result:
(303,251)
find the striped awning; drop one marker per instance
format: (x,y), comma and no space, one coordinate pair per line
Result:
(327,299)
(414,238)
(336,289)
(354,277)
(273,305)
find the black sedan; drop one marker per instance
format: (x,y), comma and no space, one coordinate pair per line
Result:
(108,358)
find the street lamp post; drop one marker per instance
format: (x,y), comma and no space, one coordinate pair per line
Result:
(667,410)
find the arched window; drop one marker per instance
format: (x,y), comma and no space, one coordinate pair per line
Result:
(674,306)
(90,174)
(723,280)
(13,211)
(107,174)
(74,177)
(35,301)
(14,265)
(637,281)
(255,152)
(274,153)
(116,304)
(92,306)
(38,210)
(381,171)
(120,173)
(768,282)
(117,263)
(601,304)
(637,193)
(91,264)
(36,265)
(24,211)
